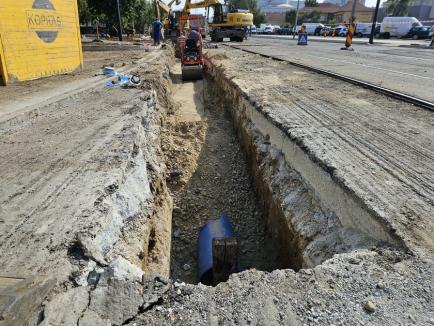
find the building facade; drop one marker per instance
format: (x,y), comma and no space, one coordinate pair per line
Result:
(341,14)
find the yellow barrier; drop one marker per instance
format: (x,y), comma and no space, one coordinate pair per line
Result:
(38,38)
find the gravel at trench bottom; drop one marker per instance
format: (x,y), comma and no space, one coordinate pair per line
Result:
(209,174)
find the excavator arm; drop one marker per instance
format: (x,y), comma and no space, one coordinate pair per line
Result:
(201,4)
(161,6)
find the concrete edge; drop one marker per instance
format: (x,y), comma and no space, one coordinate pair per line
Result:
(319,176)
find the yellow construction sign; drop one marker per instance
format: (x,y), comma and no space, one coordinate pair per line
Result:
(38,38)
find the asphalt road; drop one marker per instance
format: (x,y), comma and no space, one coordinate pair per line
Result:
(403,69)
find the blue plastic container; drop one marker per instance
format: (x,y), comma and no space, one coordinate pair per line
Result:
(220,228)
(109,71)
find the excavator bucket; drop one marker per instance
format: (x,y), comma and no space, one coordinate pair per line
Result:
(193,72)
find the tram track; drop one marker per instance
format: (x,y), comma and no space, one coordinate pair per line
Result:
(383,90)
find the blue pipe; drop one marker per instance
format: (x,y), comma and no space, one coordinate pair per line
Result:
(220,228)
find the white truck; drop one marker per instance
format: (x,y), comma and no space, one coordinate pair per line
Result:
(397,26)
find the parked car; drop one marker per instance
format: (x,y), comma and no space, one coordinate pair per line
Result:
(397,26)
(419,32)
(263,27)
(337,29)
(327,31)
(342,31)
(364,29)
(285,31)
(318,30)
(267,30)
(253,29)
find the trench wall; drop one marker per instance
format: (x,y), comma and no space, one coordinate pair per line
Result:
(355,219)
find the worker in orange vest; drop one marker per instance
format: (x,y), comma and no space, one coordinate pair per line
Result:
(350,34)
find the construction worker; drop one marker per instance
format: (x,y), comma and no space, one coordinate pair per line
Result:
(194,34)
(157,31)
(350,34)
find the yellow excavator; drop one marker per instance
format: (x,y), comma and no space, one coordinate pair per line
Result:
(222,22)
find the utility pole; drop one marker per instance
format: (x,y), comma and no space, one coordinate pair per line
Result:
(374,23)
(296,19)
(353,10)
(120,21)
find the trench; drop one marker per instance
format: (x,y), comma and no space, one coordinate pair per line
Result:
(209,174)
(218,160)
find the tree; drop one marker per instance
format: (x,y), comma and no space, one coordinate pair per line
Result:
(290,16)
(397,7)
(135,13)
(311,3)
(84,12)
(310,17)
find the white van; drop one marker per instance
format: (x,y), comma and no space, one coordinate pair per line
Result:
(310,27)
(397,26)
(265,28)
(364,29)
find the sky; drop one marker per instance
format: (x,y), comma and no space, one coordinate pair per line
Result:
(372,3)
(368,3)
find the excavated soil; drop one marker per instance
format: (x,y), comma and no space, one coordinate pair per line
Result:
(208,174)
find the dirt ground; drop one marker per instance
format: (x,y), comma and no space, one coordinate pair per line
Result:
(208,174)
(87,183)
(28,95)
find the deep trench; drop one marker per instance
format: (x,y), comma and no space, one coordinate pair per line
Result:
(209,174)
(220,161)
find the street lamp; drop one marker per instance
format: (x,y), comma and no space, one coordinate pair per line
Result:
(374,23)
(296,19)
(353,9)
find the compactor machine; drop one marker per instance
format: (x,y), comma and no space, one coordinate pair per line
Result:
(190,47)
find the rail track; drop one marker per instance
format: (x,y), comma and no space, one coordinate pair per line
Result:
(386,91)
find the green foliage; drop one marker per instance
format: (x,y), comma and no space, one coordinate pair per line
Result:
(290,16)
(311,3)
(397,7)
(311,17)
(332,21)
(135,13)
(252,6)
(84,11)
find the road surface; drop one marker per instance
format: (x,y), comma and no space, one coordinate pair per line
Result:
(407,70)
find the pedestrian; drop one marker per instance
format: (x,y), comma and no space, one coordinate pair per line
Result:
(245,32)
(157,31)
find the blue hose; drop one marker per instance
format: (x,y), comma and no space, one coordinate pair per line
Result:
(220,228)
